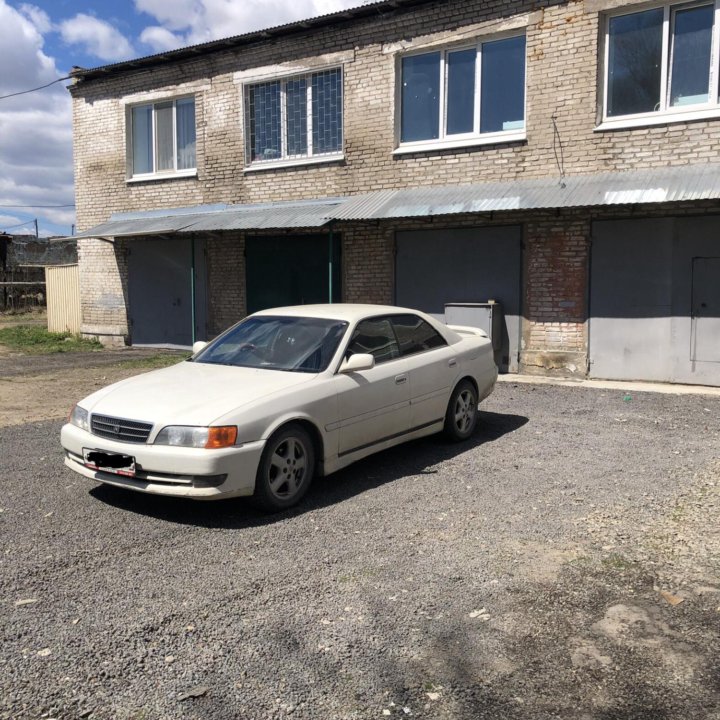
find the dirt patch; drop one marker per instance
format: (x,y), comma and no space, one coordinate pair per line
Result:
(34,388)
(30,398)
(679,540)
(31,318)
(630,654)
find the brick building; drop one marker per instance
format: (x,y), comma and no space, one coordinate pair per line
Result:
(557,157)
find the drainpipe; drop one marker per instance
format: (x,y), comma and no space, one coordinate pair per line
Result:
(330,264)
(192,286)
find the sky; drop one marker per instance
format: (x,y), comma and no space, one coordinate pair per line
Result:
(41,41)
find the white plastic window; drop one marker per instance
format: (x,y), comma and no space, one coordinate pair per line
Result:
(662,60)
(162,137)
(463,93)
(294,118)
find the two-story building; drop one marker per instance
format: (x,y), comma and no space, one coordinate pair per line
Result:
(556,157)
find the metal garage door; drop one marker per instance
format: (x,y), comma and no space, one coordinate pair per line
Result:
(654,300)
(434,267)
(163,276)
(292,270)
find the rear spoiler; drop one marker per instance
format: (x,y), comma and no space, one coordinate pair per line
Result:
(466,330)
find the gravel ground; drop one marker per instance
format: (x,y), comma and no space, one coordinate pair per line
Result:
(563,564)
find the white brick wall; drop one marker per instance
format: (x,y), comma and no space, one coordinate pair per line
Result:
(562,67)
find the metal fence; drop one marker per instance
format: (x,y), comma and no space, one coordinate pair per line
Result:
(63,298)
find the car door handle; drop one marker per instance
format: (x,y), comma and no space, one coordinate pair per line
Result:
(400,379)
(452,362)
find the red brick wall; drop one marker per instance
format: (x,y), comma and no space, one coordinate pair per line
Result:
(555,293)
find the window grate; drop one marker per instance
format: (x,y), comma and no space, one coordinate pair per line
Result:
(294,118)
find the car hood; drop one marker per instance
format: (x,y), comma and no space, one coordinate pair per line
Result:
(189,393)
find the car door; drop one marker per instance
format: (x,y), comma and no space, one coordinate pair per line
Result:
(373,405)
(432,368)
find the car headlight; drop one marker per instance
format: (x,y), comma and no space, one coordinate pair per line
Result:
(197,437)
(80,418)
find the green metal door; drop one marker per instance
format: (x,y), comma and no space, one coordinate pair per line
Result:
(292,270)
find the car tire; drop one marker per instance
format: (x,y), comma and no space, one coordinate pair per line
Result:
(462,412)
(286,469)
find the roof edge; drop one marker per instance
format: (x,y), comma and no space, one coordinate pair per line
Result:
(81,75)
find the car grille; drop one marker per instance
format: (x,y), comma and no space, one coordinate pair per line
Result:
(120,429)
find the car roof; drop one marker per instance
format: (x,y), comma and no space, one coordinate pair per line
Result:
(350,312)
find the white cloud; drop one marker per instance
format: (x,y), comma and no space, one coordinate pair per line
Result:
(98,37)
(160,39)
(189,22)
(38,17)
(36,149)
(7,222)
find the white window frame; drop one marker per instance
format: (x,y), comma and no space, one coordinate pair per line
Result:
(286,160)
(158,174)
(665,113)
(459,140)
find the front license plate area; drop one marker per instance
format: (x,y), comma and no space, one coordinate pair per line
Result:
(109,462)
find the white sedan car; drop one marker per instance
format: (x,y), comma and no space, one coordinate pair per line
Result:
(282,396)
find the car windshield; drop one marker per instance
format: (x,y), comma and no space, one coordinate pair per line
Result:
(296,344)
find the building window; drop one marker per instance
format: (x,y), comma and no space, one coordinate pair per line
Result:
(163,138)
(463,94)
(661,61)
(295,119)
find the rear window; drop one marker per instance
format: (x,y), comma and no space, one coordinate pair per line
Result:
(415,335)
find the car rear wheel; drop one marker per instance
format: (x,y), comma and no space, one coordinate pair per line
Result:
(286,469)
(462,412)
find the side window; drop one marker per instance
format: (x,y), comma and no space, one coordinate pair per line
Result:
(375,337)
(415,335)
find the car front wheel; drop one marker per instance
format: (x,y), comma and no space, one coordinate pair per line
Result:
(286,469)
(462,412)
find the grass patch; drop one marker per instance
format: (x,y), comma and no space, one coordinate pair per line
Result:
(36,340)
(152,362)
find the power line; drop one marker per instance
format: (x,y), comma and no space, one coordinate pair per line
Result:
(31,90)
(38,206)
(29,222)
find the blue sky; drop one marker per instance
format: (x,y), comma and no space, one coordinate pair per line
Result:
(41,41)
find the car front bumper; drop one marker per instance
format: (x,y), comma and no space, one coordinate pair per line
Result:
(165,470)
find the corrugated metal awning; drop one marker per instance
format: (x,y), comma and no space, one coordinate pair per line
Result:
(656,185)
(207,218)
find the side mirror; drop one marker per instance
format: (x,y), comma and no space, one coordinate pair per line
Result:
(198,346)
(357,362)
